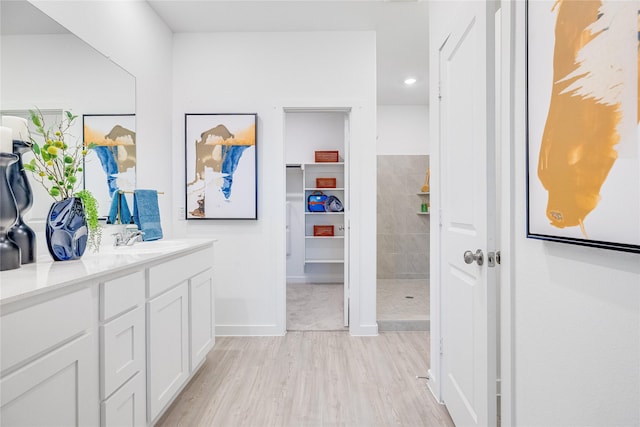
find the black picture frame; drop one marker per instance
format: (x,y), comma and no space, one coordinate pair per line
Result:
(221,166)
(582,172)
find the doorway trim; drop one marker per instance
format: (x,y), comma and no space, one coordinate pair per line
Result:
(359,295)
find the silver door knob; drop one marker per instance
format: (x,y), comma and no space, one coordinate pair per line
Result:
(478,257)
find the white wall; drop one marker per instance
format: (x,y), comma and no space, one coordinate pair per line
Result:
(577,316)
(263,73)
(131,34)
(403,130)
(67,74)
(306,132)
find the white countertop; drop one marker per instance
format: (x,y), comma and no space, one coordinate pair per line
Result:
(47,275)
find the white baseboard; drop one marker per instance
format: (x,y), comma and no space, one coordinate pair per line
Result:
(249,330)
(433,386)
(333,278)
(296,279)
(364,330)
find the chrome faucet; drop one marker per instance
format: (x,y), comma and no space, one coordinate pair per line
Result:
(128,237)
(133,237)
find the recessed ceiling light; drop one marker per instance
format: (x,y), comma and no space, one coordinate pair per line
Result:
(410,81)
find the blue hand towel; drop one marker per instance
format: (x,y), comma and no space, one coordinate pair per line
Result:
(146,214)
(125,213)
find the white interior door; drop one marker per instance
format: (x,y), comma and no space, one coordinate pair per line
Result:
(468,292)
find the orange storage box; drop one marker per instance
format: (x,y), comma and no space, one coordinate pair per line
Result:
(326,156)
(325,183)
(322,230)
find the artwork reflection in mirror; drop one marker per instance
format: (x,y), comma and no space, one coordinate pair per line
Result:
(83,80)
(111,165)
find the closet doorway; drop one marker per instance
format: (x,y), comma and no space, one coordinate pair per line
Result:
(317,221)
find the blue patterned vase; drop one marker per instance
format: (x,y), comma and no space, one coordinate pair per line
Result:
(66,229)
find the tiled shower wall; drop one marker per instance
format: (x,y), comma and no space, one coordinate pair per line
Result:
(403,235)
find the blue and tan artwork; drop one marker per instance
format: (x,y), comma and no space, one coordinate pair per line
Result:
(111,165)
(584,144)
(221,166)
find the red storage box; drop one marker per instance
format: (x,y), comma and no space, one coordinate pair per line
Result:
(326,156)
(323,230)
(325,183)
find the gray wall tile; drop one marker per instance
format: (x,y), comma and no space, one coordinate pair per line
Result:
(403,236)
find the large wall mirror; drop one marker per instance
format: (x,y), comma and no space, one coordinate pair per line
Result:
(45,66)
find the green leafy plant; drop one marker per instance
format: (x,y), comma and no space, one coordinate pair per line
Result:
(91,211)
(56,165)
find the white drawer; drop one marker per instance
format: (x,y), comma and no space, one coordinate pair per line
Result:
(122,350)
(28,332)
(165,276)
(121,294)
(127,406)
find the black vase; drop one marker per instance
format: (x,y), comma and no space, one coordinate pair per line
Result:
(21,233)
(9,250)
(66,229)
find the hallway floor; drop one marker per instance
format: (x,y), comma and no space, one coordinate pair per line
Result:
(311,379)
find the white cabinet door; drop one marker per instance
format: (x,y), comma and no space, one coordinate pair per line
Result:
(202,332)
(127,407)
(122,350)
(168,351)
(55,390)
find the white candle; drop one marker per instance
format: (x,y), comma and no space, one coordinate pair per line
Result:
(6,140)
(19,127)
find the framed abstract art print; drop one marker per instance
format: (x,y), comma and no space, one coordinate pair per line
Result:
(221,166)
(583,145)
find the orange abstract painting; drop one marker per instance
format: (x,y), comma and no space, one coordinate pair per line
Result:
(582,75)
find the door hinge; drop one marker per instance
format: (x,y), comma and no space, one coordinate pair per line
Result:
(441,345)
(498,257)
(440,218)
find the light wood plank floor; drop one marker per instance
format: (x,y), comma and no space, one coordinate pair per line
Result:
(311,379)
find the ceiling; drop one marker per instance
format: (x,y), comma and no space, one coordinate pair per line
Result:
(400,26)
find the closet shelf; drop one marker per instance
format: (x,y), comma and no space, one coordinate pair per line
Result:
(324,213)
(324,189)
(324,237)
(324,261)
(324,163)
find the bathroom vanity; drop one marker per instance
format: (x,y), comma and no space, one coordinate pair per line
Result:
(109,339)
